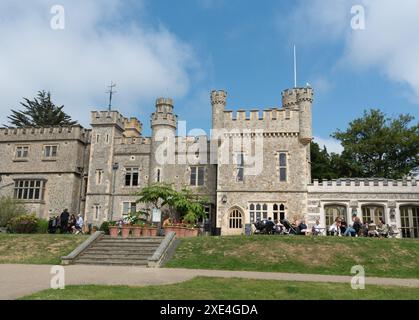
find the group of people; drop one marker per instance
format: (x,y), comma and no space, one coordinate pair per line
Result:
(66,223)
(339,228)
(358,229)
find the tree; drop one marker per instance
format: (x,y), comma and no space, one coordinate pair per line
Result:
(377,146)
(321,167)
(185,204)
(9,209)
(40,112)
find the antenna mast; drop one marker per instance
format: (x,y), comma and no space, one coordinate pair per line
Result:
(111,93)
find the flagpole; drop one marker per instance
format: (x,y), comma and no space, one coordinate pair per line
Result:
(295,67)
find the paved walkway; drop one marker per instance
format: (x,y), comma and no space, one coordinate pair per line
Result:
(20,280)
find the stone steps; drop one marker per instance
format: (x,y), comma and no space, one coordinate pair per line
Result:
(118,251)
(113,262)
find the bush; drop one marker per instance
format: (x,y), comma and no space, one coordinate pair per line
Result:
(23,224)
(42,226)
(10,208)
(105,227)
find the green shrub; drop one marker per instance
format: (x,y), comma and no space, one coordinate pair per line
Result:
(10,208)
(23,224)
(105,227)
(42,226)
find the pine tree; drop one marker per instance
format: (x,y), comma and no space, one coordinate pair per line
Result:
(40,112)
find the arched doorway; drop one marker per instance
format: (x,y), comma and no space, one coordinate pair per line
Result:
(235,221)
(333,211)
(409,221)
(372,213)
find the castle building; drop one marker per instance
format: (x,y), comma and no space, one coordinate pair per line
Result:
(252,166)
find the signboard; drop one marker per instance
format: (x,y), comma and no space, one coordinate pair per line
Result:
(156,215)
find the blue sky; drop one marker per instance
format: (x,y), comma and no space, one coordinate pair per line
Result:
(184,49)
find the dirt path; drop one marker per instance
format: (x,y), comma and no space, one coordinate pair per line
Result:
(20,280)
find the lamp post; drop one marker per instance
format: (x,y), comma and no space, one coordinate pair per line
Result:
(115,168)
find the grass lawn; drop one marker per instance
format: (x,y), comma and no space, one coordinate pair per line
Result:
(202,288)
(37,248)
(397,258)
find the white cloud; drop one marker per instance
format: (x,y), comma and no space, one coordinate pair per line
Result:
(99,44)
(332,145)
(388,43)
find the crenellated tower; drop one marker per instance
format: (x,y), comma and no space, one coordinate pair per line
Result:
(163,130)
(301,100)
(218,102)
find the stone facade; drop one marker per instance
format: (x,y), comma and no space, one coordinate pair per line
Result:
(254,165)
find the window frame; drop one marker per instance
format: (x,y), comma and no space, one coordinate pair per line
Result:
(29,189)
(196,173)
(50,156)
(240,163)
(22,156)
(132,174)
(283,167)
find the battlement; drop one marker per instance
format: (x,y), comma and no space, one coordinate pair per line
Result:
(164,115)
(108,118)
(291,97)
(219,97)
(256,114)
(374,184)
(44,133)
(132,127)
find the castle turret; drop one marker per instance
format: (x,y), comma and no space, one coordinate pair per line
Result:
(300,99)
(218,102)
(163,127)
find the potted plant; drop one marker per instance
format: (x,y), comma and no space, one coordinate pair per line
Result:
(152,230)
(125,230)
(113,229)
(137,229)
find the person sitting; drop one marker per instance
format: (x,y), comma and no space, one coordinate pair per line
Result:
(71,223)
(78,226)
(350,231)
(357,226)
(372,229)
(343,227)
(269,226)
(302,228)
(334,229)
(279,227)
(317,228)
(383,228)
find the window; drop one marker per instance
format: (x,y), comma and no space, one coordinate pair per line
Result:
(131,177)
(282,167)
(99,176)
(97,138)
(129,208)
(333,212)
(50,151)
(197,176)
(22,152)
(372,213)
(236,220)
(409,218)
(278,212)
(240,167)
(158,175)
(96,211)
(29,189)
